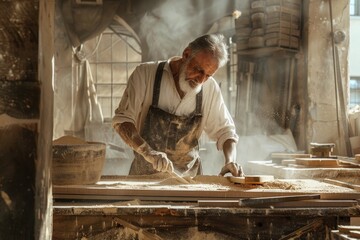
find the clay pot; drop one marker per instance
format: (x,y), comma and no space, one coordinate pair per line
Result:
(75,164)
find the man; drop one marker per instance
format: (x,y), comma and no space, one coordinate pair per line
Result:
(167,105)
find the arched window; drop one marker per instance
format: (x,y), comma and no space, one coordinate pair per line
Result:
(116,57)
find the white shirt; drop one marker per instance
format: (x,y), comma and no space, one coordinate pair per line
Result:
(216,121)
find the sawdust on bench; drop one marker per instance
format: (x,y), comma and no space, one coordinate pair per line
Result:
(164,181)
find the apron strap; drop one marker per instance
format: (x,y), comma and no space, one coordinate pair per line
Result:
(156,91)
(198,103)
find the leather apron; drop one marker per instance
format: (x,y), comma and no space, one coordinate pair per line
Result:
(172,134)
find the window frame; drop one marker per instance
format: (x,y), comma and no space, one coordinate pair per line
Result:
(354,91)
(356,7)
(96,61)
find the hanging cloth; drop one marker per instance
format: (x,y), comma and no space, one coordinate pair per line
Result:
(87,109)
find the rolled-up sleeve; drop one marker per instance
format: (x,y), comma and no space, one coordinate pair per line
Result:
(219,125)
(132,100)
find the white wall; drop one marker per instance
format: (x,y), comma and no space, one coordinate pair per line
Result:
(354,49)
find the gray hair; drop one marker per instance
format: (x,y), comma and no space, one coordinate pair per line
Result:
(214,43)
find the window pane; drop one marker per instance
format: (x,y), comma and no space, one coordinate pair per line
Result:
(105,104)
(119,49)
(104,49)
(103,90)
(354,91)
(120,73)
(352,7)
(133,51)
(111,67)
(104,73)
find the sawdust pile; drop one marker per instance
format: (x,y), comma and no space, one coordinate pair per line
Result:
(280,185)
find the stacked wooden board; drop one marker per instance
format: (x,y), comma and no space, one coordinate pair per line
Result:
(346,232)
(279,157)
(271,23)
(318,163)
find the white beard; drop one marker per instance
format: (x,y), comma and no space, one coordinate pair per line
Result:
(185,86)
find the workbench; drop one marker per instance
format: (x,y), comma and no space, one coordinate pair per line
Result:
(130,208)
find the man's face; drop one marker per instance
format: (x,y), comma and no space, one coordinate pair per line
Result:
(196,70)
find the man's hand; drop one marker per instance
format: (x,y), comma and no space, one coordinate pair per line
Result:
(159,160)
(234,168)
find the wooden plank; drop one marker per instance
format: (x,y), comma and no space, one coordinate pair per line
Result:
(252,179)
(222,189)
(161,197)
(342,184)
(113,193)
(355,234)
(296,166)
(336,235)
(322,145)
(316,203)
(317,223)
(349,164)
(276,199)
(218,203)
(287,162)
(313,167)
(289,155)
(348,228)
(318,162)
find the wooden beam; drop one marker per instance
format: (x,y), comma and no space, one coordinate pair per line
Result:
(275,199)
(316,203)
(317,223)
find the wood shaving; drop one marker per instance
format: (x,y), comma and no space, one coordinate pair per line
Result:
(279,185)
